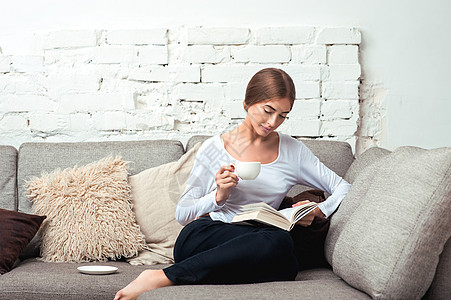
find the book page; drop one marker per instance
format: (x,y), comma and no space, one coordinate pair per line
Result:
(262,206)
(296,213)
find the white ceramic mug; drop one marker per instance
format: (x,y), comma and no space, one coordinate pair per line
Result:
(247,170)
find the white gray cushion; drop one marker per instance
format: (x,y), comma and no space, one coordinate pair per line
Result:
(389,231)
(8,167)
(364,160)
(35,158)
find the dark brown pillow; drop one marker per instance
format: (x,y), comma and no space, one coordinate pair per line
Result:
(309,241)
(16,231)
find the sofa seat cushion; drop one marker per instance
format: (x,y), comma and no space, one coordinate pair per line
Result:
(34,279)
(388,233)
(324,288)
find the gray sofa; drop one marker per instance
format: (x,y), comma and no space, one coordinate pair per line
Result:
(34,279)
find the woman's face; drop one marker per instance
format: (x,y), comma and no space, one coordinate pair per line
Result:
(268,115)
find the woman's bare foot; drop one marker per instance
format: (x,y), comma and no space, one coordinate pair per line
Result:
(146,281)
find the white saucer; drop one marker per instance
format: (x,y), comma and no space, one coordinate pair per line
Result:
(97,270)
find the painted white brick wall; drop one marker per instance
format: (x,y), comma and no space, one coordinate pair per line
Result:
(92,85)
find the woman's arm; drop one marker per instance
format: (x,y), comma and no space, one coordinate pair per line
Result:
(315,174)
(207,189)
(190,207)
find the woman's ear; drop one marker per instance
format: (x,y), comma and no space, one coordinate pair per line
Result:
(245,106)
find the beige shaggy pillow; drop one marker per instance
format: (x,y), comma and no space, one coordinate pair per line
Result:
(155,195)
(89,213)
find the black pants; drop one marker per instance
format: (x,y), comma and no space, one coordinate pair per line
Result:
(208,251)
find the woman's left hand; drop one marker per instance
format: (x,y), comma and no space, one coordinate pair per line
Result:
(308,219)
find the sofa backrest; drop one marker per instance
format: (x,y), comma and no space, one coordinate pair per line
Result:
(8,171)
(35,158)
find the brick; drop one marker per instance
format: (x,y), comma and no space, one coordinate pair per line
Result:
(169,73)
(340,90)
(262,54)
(13,123)
(48,122)
(207,54)
(339,35)
(81,122)
(114,54)
(66,39)
(71,103)
(302,72)
(305,109)
(63,83)
(186,73)
(191,112)
(284,35)
(201,92)
(229,73)
(243,73)
(325,73)
(69,57)
(156,36)
(218,36)
(339,127)
(307,90)
(147,120)
(235,110)
(153,97)
(31,64)
(138,121)
(309,54)
(343,54)
(110,120)
(236,91)
(307,128)
(344,72)
(5,63)
(153,55)
(25,103)
(339,109)
(152,74)
(20,84)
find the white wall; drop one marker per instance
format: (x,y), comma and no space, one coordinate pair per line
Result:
(404,49)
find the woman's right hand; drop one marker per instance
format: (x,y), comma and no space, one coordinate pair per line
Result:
(225,180)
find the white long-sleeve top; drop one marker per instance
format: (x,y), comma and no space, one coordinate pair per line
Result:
(295,164)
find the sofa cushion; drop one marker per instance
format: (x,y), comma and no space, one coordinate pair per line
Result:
(335,289)
(389,231)
(34,158)
(440,288)
(89,213)
(62,281)
(8,169)
(155,193)
(33,279)
(364,160)
(16,231)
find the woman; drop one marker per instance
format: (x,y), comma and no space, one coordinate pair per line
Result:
(210,249)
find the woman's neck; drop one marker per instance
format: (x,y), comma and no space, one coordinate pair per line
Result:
(246,132)
(245,145)
(244,136)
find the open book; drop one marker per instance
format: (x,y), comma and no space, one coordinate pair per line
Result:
(263,213)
